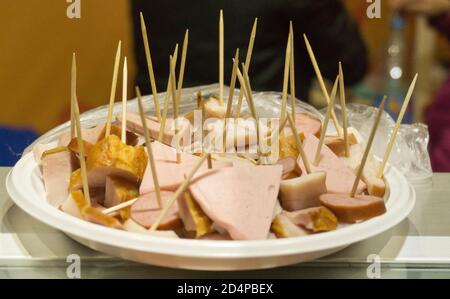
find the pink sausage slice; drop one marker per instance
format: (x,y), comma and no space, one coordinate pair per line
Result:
(145,211)
(340,177)
(348,209)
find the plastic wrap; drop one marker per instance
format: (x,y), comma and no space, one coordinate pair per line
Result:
(409,154)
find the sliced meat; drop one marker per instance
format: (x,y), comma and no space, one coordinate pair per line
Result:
(375,185)
(91,135)
(56,171)
(348,209)
(283,227)
(119,190)
(302,192)
(340,178)
(134,124)
(111,157)
(193,217)
(145,211)
(290,167)
(317,219)
(230,198)
(170,173)
(307,124)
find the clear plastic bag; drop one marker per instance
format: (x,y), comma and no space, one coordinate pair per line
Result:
(409,154)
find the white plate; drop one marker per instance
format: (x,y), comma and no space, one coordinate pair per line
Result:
(25,187)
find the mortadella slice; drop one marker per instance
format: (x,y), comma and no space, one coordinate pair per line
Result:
(90,135)
(134,124)
(340,178)
(56,171)
(145,211)
(170,173)
(348,209)
(307,124)
(241,200)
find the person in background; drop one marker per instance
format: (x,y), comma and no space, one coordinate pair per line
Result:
(333,34)
(437,114)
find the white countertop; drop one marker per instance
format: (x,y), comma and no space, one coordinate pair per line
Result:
(419,247)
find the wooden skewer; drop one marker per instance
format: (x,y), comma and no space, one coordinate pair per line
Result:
(113,90)
(81,156)
(73,91)
(182,65)
(209,159)
(120,206)
(221,46)
(325,123)
(124,101)
(178,192)
(162,126)
(368,146)
(148,144)
(175,105)
(343,109)
(299,144)
(396,127)
(248,59)
(282,125)
(321,83)
(230,97)
(151,74)
(292,71)
(285,78)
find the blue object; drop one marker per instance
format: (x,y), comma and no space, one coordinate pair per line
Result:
(13,141)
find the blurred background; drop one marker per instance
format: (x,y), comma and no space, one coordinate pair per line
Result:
(37,40)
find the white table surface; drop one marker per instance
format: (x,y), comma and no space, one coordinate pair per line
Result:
(419,247)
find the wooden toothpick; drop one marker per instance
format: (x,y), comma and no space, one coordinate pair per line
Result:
(287,60)
(343,110)
(368,146)
(73,92)
(120,206)
(148,144)
(113,90)
(182,188)
(182,65)
(292,71)
(175,106)
(396,127)
(221,49)
(151,74)
(124,101)
(321,83)
(81,156)
(325,123)
(230,97)
(162,126)
(299,144)
(248,59)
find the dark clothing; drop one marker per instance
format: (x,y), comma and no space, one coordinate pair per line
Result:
(438,118)
(332,33)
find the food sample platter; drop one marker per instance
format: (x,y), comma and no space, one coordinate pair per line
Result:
(26,188)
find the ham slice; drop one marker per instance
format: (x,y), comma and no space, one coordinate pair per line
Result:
(145,211)
(307,124)
(318,219)
(340,178)
(134,124)
(90,135)
(170,173)
(302,192)
(241,200)
(348,209)
(290,168)
(56,171)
